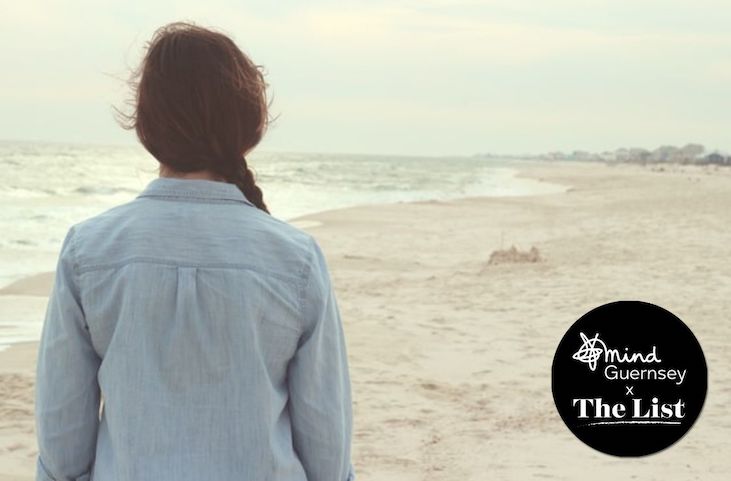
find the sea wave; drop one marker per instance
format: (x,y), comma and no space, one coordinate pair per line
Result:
(49,187)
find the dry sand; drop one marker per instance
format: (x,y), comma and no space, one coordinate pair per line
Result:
(451,355)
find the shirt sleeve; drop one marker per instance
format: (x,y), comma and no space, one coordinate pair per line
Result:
(319,383)
(67,393)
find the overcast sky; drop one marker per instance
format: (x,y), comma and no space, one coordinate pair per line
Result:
(402,77)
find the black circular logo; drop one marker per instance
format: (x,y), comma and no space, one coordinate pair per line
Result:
(629,378)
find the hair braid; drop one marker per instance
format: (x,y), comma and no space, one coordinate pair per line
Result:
(244,179)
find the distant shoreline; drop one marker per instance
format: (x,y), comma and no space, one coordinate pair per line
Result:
(16,282)
(39,285)
(689,154)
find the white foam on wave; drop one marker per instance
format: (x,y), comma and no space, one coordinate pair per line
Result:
(49,187)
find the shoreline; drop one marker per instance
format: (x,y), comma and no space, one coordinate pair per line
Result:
(310,220)
(40,283)
(32,291)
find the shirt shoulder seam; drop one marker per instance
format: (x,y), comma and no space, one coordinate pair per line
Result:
(175,263)
(191,198)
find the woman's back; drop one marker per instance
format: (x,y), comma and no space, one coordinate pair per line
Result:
(214,336)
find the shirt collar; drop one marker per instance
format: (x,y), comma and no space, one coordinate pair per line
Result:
(194,189)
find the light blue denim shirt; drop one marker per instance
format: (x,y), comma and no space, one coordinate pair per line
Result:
(190,336)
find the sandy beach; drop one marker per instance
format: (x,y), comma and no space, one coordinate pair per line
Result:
(451,355)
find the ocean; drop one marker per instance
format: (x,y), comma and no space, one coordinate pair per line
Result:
(49,186)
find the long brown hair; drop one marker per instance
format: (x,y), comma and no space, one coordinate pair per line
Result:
(199,103)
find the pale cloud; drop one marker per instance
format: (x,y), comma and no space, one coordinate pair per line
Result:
(501,74)
(398,32)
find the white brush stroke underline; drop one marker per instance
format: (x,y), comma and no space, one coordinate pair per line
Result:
(630,422)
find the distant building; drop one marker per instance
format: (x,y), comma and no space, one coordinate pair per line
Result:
(717,159)
(688,154)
